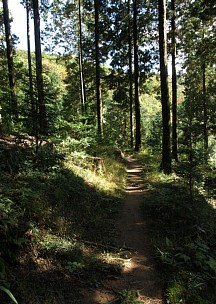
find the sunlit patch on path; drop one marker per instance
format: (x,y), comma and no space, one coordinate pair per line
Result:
(138,272)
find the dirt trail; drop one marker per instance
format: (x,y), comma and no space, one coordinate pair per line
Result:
(139,272)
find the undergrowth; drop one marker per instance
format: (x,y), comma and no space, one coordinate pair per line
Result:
(128,296)
(57,214)
(183,232)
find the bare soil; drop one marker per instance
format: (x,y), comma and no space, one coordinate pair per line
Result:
(139,273)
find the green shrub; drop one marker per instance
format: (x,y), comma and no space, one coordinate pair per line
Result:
(183,232)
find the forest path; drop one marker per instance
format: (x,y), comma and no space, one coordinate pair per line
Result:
(139,273)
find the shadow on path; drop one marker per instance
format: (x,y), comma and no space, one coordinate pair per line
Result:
(138,272)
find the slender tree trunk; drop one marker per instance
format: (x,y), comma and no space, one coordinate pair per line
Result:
(31,91)
(166,151)
(40,85)
(98,80)
(13,105)
(205,112)
(130,74)
(174,85)
(82,78)
(125,128)
(136,79)
(191,151)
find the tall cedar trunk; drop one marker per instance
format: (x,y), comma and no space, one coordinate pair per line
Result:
(13,105)
(205,115)
(40,86)
(136,80)
(31,93)
(130,74)
(82,79)
(174,85)
(98,80)
(190,156)
(166,151)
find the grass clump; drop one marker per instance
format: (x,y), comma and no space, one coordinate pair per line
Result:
(183,231)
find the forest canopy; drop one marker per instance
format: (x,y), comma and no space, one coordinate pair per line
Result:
(98,77)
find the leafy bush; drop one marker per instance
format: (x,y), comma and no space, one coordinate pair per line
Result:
(11,233)
(183,231)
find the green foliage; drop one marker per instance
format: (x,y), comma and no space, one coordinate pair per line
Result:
(184,239)
(50,205)
(196,112)
(11,233)
(8,292)
(74,267)
(4,285)
(54,195)
(128,297)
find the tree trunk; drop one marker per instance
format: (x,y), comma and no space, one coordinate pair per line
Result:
(130,75)
(13,105)
(136,80)
(82,79)
(205,113)
(190,155)
(174,85)
(166,151)
(31,92)
(42,120)
(98,80)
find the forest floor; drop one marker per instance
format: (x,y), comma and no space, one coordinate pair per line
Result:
(42,270)
(139,281)
(87,237)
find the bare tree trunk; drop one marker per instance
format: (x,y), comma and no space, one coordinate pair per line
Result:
(98,80)
(174,85)
(166,151)
(130,75)
(136,80)
(31,91)
(205,113)
(82,78)
(13,105)
(191,166)
(42,119)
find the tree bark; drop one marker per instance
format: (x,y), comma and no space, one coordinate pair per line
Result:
(136,79)
(31,91)
(98,80)
(12,84)
(174,85)
(82,78)
(166,151)
(42,119)
(130,75)
(205,112)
